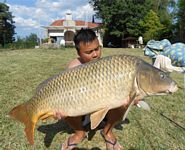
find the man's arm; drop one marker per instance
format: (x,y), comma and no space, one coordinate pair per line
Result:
(74,63)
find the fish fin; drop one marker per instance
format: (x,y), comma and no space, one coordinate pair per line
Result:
(127,110)
(97,117)
(29,130)
(20,113)
(132,96)
(143,105)
(46,116)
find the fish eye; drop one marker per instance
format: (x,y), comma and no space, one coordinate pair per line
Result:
(162,75)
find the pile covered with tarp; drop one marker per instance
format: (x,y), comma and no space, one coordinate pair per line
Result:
(176,52)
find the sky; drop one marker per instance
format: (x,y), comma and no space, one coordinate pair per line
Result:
(31,15)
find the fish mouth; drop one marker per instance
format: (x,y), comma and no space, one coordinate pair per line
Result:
(173,88)
(169,92)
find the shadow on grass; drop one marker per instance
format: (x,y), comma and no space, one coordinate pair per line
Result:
(94,148)
(50,130)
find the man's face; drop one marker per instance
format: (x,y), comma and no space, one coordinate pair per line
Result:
(89,51)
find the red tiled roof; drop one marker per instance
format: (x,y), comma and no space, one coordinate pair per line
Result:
(58,23)
(77,23)
(80,23)
(93,25)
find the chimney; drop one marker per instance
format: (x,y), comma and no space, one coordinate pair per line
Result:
(68,16)
(93,21)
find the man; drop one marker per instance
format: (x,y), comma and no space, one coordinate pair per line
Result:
(140,41)
(87,46)
(88,49)
(164,63)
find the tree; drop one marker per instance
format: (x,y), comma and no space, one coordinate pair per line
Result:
(181,20)
(165,10)
(27,42)
(6,25)
(151,26)
(32,40)
(121,17)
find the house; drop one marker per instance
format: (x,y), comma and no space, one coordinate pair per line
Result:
(63,31)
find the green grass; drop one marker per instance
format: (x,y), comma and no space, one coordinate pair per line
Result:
(22,70)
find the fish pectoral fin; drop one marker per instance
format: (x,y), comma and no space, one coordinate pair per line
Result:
(127,110)
(97,117)
(46,116)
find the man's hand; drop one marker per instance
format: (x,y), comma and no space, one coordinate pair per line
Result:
(59,115)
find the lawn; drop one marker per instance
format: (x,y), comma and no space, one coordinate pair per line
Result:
(22,70)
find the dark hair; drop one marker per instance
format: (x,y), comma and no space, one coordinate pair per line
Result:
(85,35)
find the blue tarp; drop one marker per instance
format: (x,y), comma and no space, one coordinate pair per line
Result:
(176,52)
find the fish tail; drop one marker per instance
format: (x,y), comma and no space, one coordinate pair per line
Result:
(20,113)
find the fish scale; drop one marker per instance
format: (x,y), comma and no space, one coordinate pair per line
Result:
(100,78)
(93,88)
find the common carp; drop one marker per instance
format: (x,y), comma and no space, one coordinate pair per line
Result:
(93,88)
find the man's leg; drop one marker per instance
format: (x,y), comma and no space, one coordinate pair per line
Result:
(113,116)
(76,124)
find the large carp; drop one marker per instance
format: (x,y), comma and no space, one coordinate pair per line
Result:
(93,88)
